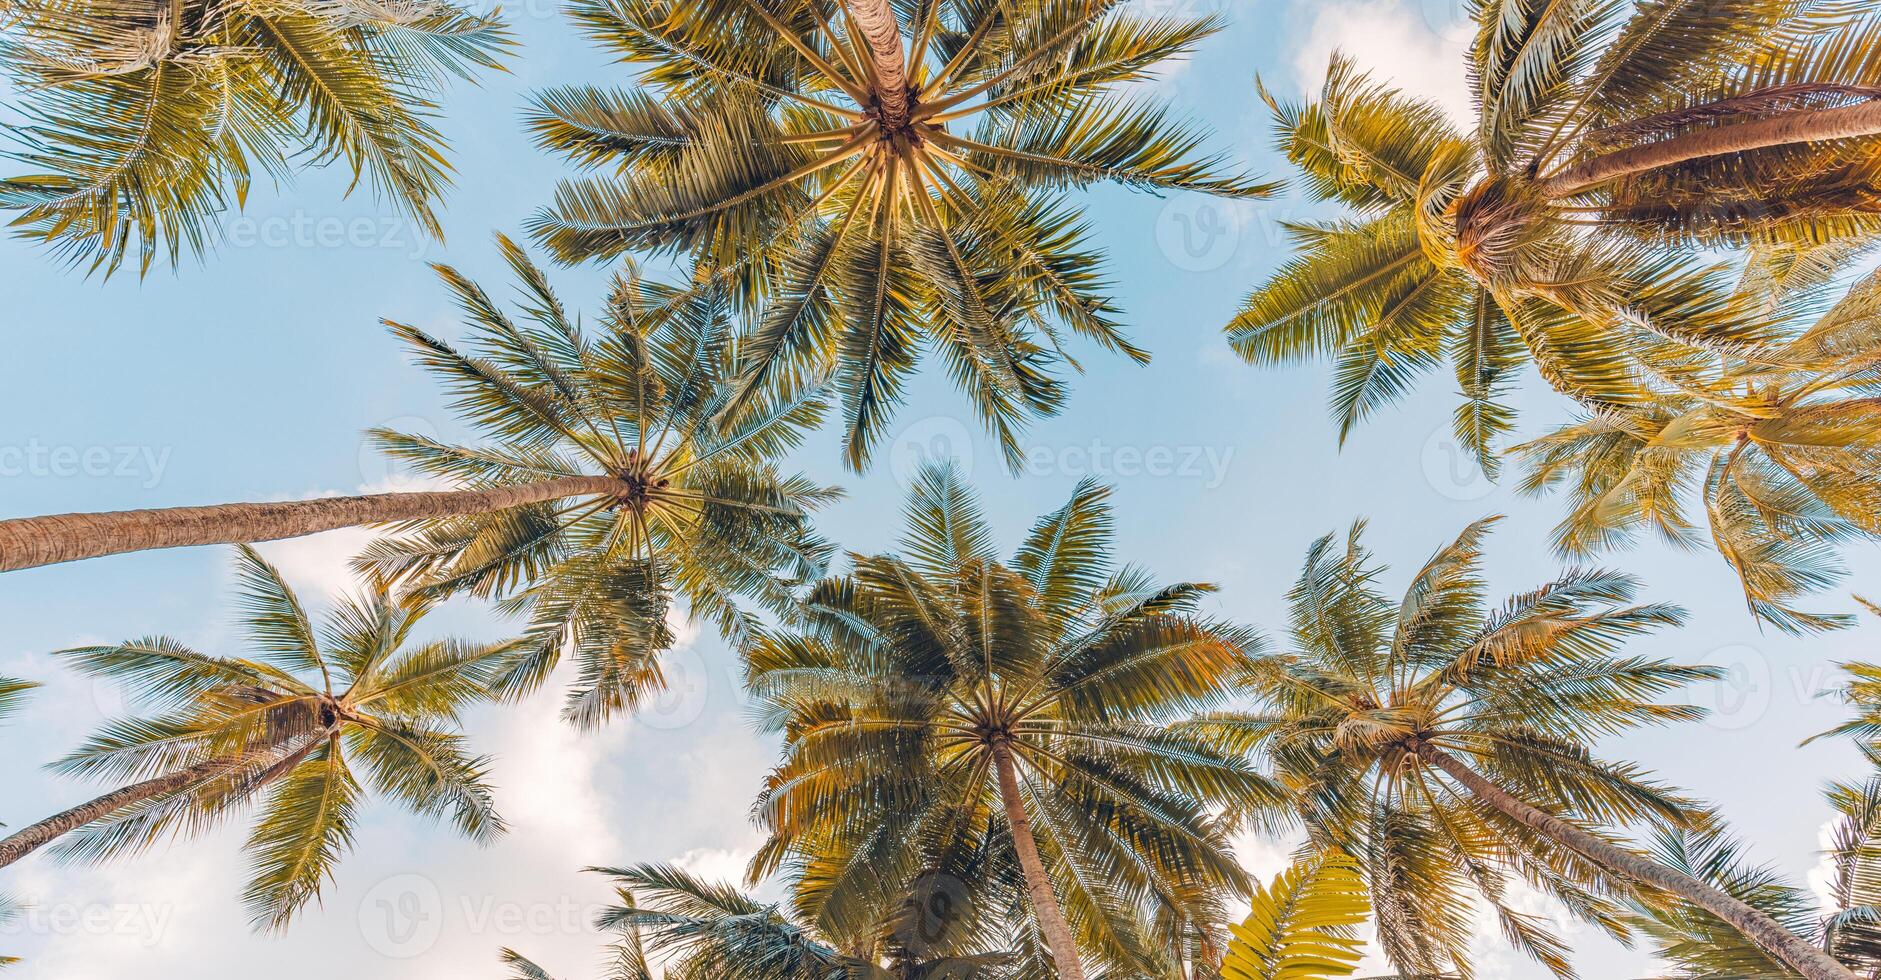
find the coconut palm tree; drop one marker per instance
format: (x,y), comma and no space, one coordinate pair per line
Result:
(143,122)
(1696,945)
(1003,722)
(1304,926)
(1448,748)
(1781,447)
(612,475)
(702,929)
(295,728)
(12,695)
(883,175)
(1605,130)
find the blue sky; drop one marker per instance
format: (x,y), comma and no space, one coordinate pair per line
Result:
(251,377)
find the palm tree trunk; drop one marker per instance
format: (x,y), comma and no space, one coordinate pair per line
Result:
(32,838)
(1799,955)
(1051,918)
(879,27)
(29,542)
(1807,126)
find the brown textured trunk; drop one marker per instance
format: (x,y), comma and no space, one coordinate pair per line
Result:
(28,542)
(1799,955)
(30,839)
(1051,918)
(883,33)
(1803,126)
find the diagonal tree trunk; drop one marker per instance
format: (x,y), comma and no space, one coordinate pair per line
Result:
(1051,918)
(1799,955)
(30,839)
(1803,126)
(28,542)
(879,27)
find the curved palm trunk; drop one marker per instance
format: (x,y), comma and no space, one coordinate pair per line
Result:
(32,838)
(1810,126)
(1799,955)
(879,27)
(1051,918)
(28,542)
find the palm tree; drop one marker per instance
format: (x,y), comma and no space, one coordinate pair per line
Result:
(145,121)
(1304,926)
(612,475)
(814,151)
(1696,945)
(710,931)
(296,727)
(1448,749)
(1605,131)
(1003,723)
(12,695)
(1781,446)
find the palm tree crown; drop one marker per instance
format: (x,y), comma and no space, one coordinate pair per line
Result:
(690,501)
(1377,701)
(703,930)
(1780,445)
(295,728)
(1005,723)
(813,151)
(1606,131)
(145,121)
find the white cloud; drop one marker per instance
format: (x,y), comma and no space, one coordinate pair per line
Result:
(320,563)
(1416,45)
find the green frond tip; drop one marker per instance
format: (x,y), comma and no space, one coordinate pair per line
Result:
(864,221)
(1303,926)
(142,159)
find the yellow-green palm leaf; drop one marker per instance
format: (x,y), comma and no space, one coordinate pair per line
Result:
(1303,926)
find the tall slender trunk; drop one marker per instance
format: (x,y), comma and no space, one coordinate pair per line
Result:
(879,27)
(1799,955)
(30,839)
(1051,918)
(1806,126)
(28,542)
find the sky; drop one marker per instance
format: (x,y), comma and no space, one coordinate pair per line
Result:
(252,375)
